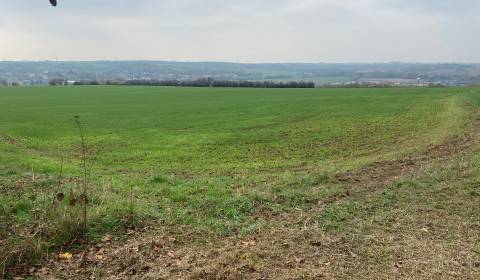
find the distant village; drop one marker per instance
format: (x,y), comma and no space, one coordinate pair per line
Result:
(236,74)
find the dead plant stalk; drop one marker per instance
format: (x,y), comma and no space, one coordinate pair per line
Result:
(85,175)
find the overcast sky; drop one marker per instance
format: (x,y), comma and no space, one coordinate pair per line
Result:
(242,30)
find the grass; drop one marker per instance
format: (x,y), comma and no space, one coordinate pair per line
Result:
(212,159)
(181,130)
(421,226)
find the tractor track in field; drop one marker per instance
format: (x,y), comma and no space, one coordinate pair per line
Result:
(381,173)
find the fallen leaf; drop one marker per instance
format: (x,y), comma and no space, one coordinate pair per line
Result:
(42,271)
(299,260)
(60,196)
(99,257)
(65,256)
(107,238)
(73,201)
(249,243)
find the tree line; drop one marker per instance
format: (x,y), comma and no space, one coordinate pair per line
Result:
(209,82)
(202,82)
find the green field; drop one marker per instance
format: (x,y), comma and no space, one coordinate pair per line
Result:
(218,161)
(204,131)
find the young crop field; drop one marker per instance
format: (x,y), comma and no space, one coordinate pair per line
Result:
(240,183)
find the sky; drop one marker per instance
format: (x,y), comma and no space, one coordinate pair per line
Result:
(242,30)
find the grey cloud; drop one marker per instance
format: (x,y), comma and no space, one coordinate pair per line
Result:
(236,30)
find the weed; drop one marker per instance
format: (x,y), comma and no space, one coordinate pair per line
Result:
(84,197)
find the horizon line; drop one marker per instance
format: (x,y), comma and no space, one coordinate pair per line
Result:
(233,62)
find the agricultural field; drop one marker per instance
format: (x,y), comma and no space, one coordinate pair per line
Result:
(240,183)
